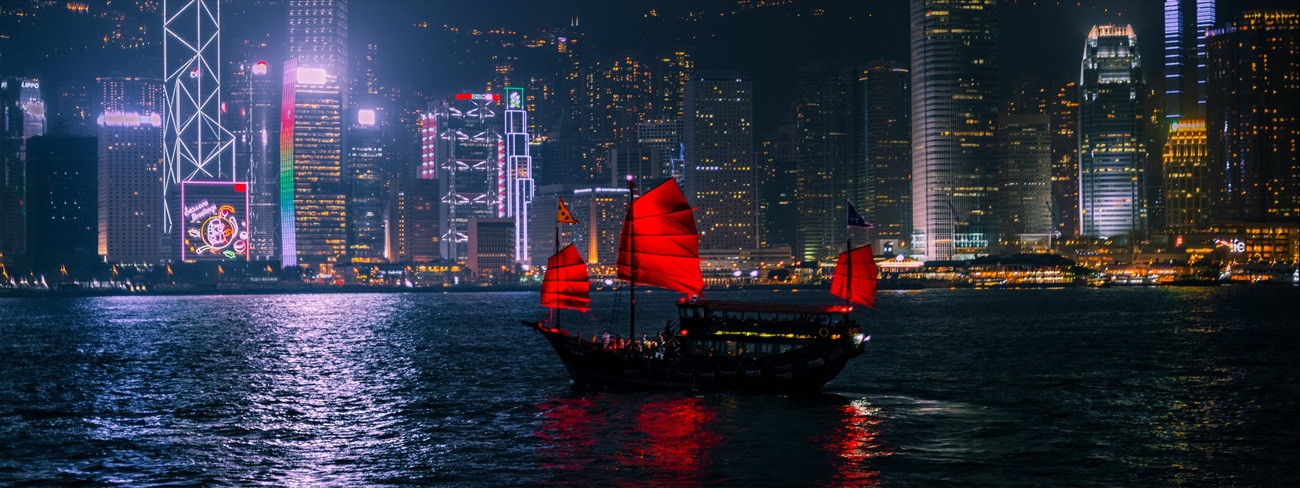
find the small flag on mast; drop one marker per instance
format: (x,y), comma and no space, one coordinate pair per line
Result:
(563,215)
(855,219)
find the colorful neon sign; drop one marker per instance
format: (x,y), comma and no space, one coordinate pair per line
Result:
(515,98)
(213,215)
(478,96)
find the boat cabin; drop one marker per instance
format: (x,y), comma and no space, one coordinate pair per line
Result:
(742,329)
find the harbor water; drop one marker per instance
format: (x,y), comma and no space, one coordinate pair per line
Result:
(1080,387)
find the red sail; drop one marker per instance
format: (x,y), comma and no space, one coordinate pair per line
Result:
(855,277)
(660,228)
(565,283)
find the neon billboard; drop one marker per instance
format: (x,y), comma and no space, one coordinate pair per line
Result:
(214,220)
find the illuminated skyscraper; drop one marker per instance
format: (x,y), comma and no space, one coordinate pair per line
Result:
(954,152)
(255,89)
(519,183)
(130,187)
(313,212)
(468,157)
(1187,177)
(1253,117)
(367,188)
(825,123)
(197,147)
(888,180)
(318,36)
(1112,135)
(1186,22)
(720,176)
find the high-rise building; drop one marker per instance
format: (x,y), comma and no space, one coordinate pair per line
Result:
(779,168)
(255,89)
(954,151)
(197,146)
(1064,109)
(130,187)
(887,186)
(414,231)
(519,182)
(1112,135)
(468,159)
(365,85)
(313,211)
(1186,22)
(637,161)
(318,37)
(413,198)
(23,111)
(367,188)
(826,119)
(1060,100)
(1253,117)
(673,71)
(600,212)
(490,246)
(664,137)
(720,175)
(623,97)
(563,160)
(61,201)
(1026,176)
(1187,177)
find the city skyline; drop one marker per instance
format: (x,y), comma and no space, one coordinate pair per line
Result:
(390,150)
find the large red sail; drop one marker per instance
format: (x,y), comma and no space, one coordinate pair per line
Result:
(855,277)
(565,283)
(660,228)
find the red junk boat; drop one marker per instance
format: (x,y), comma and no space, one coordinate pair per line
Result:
(715,345)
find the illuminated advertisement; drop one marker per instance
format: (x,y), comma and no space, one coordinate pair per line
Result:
(515,98)
(215,220)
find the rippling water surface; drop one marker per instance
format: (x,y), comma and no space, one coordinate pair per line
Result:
(1112,387)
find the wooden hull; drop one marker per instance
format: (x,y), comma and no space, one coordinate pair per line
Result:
(806,368)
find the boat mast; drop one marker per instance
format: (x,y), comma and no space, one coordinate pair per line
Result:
(848,262)
(631,252)
(556,310)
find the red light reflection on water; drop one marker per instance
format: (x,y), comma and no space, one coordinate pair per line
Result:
(677,437)
(569,431)
(666,440)
(656,441)
(855,441)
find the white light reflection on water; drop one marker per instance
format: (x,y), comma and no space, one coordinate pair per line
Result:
(324,386)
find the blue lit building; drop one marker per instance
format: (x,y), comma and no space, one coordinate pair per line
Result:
(1186,22)
(1112,135)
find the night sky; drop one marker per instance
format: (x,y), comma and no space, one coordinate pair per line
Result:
(767,42)
(1043,39)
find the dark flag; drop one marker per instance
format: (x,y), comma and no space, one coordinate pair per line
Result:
(856,220)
